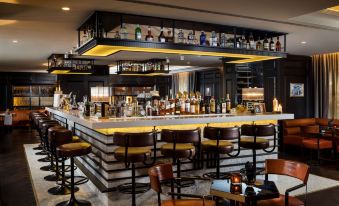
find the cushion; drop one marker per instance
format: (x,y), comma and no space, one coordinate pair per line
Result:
(248,142)
(211,145)
(312,143)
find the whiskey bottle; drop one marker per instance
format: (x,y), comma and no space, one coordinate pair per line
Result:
(251,40)
(272,45)
(123,31)
(259,45)
(266,44)
(187,105)
(203,38)
(278,45)
(193,104)
(149,36)
(212,105)
(169,37)
(223,40)
(181,37)
(223,106)
(162,37)
(218,107)
(138,33)
(182,105)
(177,105)
(228,103)
(213,39)
(243,41)
(197,105)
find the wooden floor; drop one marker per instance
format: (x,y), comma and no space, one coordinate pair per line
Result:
(16,189)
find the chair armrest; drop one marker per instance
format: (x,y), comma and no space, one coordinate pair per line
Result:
(290,190)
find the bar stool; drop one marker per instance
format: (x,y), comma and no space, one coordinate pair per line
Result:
(181,144)
(134,148)
(58,136)
(220,143)
(72,150)
(36,123)
(255,139)
(32,119)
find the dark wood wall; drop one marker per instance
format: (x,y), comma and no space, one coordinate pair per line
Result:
(275,76)
(10,79)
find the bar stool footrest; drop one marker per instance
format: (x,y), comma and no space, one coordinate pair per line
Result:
(73,202)
(139,188)
(213,175)
(61,190)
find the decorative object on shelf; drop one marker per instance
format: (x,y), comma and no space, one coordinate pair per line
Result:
(253,94)
(296,89)
(259,108)
(148,67)
(68,64)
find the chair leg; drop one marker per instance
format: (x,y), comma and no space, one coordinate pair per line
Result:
(218,165)
(178,175)
(133,185)
(254,153)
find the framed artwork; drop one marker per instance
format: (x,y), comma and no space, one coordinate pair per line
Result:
(296,89)
(259,108)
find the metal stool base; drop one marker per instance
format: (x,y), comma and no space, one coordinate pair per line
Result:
(40,147)
(213,175)
(46,168)
(61,190)
(74,202)
(41,153)
(52,178)
(139,188)
(45,159)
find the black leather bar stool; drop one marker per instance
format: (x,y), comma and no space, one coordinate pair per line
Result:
(219,142)
(36,123)
(256,139)
(58,136)
(72,150)
(134,148)
(32,120)
(181,145)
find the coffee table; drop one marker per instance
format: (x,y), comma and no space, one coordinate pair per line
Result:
(244,193)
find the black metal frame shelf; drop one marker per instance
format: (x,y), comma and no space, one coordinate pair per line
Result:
(59,64)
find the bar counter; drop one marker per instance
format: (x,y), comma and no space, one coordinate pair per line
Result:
(106,173)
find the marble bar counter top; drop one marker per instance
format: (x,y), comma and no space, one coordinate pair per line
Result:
(95,123)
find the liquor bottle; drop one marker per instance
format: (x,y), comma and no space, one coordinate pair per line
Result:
(181,37)
(177,105)
(203,38)
(149,36)
(148,108)
(202,106)
(223,40)
(190,38)
(266,44)
(207,107)
(252,43)
(243,41)
(259,45)
(228,103)
(172,106)
(182,105)
(162,107)
(213,39)
(218,107)
(230,43)
(87,112)
(212,105)
(278,45)
(197,106)
(193,104)
(162,37)
(238,43)
(123,31)
(117,35)
(187,105)
(272,45)
(223,106)
(169,37)
(138,33)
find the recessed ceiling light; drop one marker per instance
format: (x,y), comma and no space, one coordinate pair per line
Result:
(15,41)
(303,42)
(65,8)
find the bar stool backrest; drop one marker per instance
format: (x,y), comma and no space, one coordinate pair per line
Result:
(125,139)
(159,173)
(59,136)
(181,136)
(258,130)
(289,168)
(227,133)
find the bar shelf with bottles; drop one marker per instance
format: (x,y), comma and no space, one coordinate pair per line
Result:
(147,67)
(69,64)
(129,30)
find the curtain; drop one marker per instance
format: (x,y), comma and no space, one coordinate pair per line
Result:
(325,69)
(183,81)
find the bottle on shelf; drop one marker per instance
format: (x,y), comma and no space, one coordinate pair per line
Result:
(243,41)
(223,106)
(117,35)
(203,38)
(167,106)
(162,37)
(207,107)
(202,106)
(278,45)
(238,43)
(169,37)
(213,39)
(212,105)
(181,37)
(138,35)
(182,104)
(148,108)
(123,31)
(177,104)
(230,43)
(187,105)
(193,104)
(190,38)
(258,45)
(272,45)
(223,40)
(197,103)
(251,40)
(218,107)
(149,36)
(228,103)
(266,45)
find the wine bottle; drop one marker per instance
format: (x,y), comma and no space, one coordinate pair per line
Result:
(272,45)
(162,37)
(207,107)
(266,43)
(149,36)
(218,107)
(278,45)
(228,103)
(138,33)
